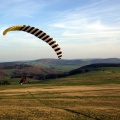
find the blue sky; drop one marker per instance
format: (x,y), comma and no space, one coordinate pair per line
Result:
(83,28)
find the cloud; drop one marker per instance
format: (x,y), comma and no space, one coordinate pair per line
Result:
(101,49)
(89,24)
(87,32)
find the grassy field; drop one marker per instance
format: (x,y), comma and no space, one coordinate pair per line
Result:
(60,67)
(91,96)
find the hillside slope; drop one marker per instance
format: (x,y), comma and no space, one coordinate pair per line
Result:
(97,76)
(52,68)
(15,70)
(67,65)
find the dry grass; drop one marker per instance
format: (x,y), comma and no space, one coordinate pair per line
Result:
(60,103)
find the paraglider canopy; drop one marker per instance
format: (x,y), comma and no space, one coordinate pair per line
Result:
(38,33)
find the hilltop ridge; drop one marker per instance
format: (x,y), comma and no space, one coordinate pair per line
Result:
(53,68)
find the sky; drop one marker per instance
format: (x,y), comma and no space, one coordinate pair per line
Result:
(82,28)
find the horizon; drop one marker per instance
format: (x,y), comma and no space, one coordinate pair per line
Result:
(83,29)
(57,59)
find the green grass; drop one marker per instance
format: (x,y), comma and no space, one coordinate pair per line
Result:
(9,72)
(106,76)
(62,68)
(65,68)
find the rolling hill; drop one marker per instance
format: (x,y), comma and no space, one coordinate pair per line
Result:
(67,65)
(53,68)
(16,69)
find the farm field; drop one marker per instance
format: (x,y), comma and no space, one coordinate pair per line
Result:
(91,96)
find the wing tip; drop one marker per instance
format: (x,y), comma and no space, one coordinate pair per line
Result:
(4,32)
(17,27)
(60,56)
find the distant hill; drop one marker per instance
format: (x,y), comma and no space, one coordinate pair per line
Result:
(67,65)
(61,65)
(94,74)
(93,67)
(53,68)
(18,69)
